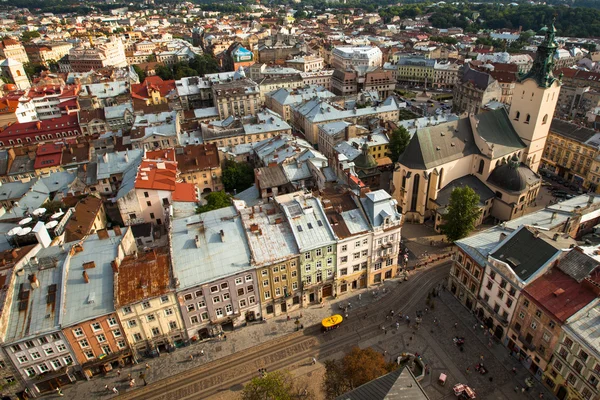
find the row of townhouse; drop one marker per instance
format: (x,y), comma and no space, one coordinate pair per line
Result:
(72,311)
(293,251)
(537,293)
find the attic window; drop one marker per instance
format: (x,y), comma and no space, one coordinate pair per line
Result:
(309,225)
(319,222)
(299,228)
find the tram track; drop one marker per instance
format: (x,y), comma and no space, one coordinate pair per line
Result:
(238,368)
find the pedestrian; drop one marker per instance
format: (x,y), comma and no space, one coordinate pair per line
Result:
(392,312)
(455,325)
(475,325)
(301,326)
(522,390)
(59,392)
(384,331)
(468,369)
(131,383)
(314,361)
(106,387)
(541,395)
(514,370)
(288,317)
(359,296)
(481,357)
(202,352)
(118,373)
(115,391)
(191,357)
(346,315)
(129,375)
(147,366)
(224,338)
(516,389)
(397,325)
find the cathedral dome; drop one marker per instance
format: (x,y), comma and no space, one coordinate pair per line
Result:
(511,176)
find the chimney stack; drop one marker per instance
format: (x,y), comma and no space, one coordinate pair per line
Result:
(102,234)
(222,236)
(117,230)
(86,278)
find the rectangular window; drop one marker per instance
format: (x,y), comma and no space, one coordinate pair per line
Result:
(78,332)
(132,323)
(112,321)
(126,310)
(49,351)
(35,355)
(216,299)
(84,343)
(155,331)
(89,354)
(61,347)
(117,333)
(146,304)
(101,338)
(319,252)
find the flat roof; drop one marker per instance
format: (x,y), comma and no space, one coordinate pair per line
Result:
(269,236)
(84,301)
(202,253)
(142,276)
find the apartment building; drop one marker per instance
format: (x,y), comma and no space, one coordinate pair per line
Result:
(415,70)
(90,323)
(33,339)
(519,259)
(275,256)
(345,57)
(353,231)
(146,305)
(576,360)
(542,309)
(386,223)
(147,192)
(473,90)
(238,97)
(217,288)
(306,63)
(110,53)
(200,165)
(11,48)
(569,152)
(316,243)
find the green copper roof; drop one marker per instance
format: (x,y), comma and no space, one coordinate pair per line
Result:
(543,64)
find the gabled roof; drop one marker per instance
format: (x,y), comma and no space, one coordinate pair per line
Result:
(495,128)
(437,145)
(525,252)
(156,175)
(155,82)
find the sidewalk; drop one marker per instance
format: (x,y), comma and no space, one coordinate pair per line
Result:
(238,340)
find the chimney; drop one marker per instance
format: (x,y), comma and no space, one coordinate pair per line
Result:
(222,236)
(590,199)
(553,216)
(15,253)
(102,234)
(115,265)
(86,278)
(555,237)
(117,230)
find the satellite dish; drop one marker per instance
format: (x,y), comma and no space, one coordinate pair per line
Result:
(51,224)
(39,211)
(25,221)
(24,231)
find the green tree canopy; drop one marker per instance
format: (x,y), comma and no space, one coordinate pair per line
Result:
(237,176)
(399,139)
(140,73)
(28,35)
(462,213)
(214,201)
(272,386)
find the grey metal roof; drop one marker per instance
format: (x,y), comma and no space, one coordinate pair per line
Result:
(38,313)
(571,131)
(34,198)
(525,253)
(14,190)
(307,218)
(202,254)
(496,129)
(577,265)
(399,384)
(585,326)
(379,205)
(437,145)
(269,236)
(117,162)
(59,181)
(443,197)
(85,301)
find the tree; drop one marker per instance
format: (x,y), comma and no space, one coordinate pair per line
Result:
(237,176)
(164,72)
(357,367)
(272,386)
(399,139)
(462,213)
(28,35)
(140,73)
(214,201)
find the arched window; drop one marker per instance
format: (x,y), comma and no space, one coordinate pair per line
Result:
(18,72)
(440,178)
(545,119)
(517,115)
(527,119)
(481,165)
(415,192)
(497,162)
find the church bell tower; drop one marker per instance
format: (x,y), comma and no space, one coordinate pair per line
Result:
(534,100)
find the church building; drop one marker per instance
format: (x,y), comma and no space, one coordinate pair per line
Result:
(497,153)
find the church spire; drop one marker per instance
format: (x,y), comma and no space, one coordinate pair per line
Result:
(543,64)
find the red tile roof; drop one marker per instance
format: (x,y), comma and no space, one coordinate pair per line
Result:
(140,90)
(50,128)
(157,175)
(559,294)
(185,192)
(48,155)
(166,155)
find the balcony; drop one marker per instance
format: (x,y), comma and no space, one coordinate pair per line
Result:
(496,316)
(527,345)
